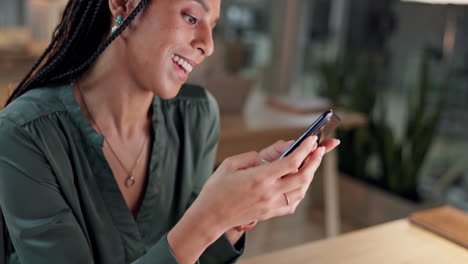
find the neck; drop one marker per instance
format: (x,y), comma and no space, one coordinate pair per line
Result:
(114,100)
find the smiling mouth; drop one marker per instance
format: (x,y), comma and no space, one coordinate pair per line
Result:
(187,67)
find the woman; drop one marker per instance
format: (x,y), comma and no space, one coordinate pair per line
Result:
(104,151)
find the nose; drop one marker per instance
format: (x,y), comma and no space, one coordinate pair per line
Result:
(203,41)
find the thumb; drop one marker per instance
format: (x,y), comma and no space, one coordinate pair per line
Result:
(272,152)
(243,161)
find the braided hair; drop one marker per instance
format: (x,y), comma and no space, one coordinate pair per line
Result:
(81,36)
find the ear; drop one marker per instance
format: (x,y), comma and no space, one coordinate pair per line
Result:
(121,7)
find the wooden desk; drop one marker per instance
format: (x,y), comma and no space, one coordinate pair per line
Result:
(392,243)
(236,137)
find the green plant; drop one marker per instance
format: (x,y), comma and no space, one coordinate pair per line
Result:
(400,159)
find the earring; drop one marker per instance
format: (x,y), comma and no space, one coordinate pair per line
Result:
(118,22)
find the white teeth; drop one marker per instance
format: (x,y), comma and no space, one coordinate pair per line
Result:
(182,63)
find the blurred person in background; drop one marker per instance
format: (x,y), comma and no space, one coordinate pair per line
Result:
(107,155)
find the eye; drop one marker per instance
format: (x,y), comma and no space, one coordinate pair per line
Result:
(190,19)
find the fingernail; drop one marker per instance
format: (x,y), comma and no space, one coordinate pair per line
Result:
(339,141)
(314,138)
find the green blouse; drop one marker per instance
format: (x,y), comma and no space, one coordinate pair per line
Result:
(60,201)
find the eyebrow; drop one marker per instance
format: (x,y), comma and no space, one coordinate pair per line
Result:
(203,5)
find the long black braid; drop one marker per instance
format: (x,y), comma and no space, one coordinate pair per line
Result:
(76,44)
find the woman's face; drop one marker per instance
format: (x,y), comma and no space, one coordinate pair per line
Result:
(168,39)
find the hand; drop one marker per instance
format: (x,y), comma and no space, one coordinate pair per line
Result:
(299,193)
(273,152)
(243,190)
(268,154)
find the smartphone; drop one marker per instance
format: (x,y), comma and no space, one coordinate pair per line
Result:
(322,128)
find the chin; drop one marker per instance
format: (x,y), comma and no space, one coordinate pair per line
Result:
(169,93)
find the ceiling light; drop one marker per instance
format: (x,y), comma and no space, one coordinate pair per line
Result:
(443,2)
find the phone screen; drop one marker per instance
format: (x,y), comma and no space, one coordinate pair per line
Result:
(322,128)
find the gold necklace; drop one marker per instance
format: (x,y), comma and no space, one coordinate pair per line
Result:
(130,181)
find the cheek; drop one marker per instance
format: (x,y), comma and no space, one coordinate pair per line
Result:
(144,59)
(155,55)
(159,32)
(157,47)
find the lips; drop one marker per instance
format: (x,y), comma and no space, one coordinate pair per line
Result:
(183,63)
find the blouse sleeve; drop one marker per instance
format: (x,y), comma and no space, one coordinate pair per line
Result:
(41,225)
(221,251)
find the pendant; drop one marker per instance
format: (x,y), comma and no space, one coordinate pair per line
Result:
(130,181)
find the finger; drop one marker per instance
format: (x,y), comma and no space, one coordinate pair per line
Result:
(274,151)
(290,163)
(252,224)
(305,175)
(310,153)
(242,161)
(246,227)
(313,161)
(282,207)
(296,196)
(330,144)
(285,209)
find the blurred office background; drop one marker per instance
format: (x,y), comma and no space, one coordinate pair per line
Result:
(402,66)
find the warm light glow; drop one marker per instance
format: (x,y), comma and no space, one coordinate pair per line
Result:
(444,2)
